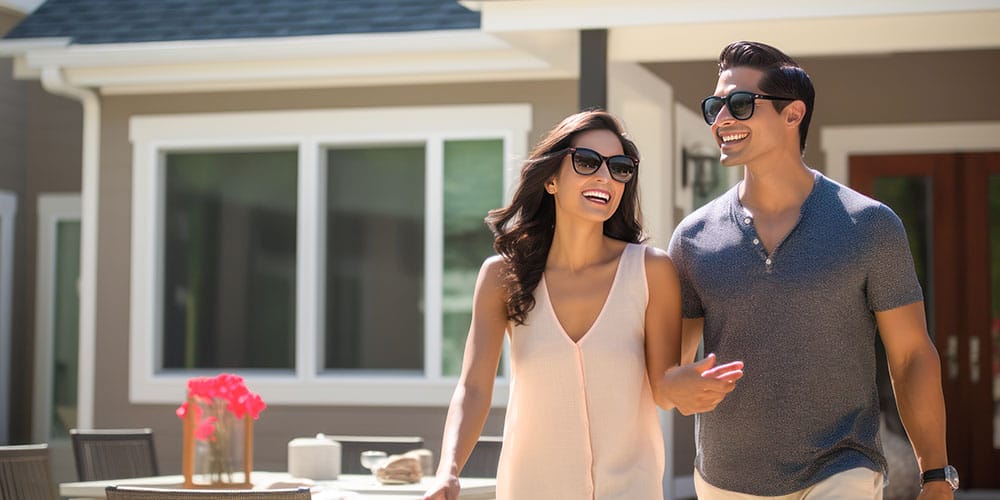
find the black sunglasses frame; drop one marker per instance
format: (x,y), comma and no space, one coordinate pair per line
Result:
(605,160)
(726,101)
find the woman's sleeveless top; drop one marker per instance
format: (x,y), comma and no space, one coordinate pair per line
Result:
(581,422)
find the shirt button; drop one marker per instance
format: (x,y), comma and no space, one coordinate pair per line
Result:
(746,221)
(768,262)
(756,241)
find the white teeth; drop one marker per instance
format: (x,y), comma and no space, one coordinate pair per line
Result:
(601,195)
(734,137)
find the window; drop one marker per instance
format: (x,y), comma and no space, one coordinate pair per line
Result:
(328,256)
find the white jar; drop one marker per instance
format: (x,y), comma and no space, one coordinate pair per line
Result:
(314,458)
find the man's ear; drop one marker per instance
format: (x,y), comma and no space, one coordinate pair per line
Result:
(794,112)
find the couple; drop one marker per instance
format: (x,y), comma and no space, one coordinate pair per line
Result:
(788,273)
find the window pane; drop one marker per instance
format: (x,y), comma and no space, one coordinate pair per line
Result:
(229,260)
(375,259)
(65,328)
(473,185)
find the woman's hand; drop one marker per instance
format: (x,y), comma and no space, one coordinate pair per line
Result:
(445,488)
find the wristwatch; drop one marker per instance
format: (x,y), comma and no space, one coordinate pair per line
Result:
(947,474)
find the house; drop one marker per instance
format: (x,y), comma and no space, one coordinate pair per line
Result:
(294,190)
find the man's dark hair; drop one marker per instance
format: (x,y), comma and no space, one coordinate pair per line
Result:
(783,77)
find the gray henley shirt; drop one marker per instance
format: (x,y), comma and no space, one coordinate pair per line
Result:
(802,319)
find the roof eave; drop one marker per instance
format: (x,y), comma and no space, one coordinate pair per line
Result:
(333,60)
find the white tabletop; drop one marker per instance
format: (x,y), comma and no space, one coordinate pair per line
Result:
(347,487)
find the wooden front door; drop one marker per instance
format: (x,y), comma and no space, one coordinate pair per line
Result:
(950,205)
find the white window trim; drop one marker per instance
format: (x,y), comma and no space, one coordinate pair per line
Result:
(306,131)
(840,142)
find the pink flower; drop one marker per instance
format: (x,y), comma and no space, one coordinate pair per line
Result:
(226,388)
(205,430)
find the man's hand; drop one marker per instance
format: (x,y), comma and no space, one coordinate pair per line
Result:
(700,387)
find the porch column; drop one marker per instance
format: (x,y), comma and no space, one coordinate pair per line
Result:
(593,69)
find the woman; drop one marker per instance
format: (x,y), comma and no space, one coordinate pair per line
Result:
(594,323)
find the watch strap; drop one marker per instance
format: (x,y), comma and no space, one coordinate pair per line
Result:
(933,475)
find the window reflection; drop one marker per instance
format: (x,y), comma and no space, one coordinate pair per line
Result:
(229,260)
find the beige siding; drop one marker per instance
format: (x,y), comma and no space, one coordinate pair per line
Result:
(550,101)
(40,138)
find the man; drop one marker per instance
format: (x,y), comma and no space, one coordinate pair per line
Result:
(795,274)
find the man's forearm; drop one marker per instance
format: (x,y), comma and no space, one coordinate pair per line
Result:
(920,400)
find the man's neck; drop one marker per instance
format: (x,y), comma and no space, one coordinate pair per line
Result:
(776,187)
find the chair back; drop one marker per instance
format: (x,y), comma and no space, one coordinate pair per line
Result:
(25,473)
(352,446)
(485,458)
(137,493)
(102,454)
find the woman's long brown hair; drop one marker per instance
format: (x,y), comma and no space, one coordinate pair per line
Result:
(523,229)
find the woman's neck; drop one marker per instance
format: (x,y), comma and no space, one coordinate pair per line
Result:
(579,247)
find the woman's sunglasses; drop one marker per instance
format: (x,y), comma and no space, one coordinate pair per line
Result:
(586,161)
(740,104)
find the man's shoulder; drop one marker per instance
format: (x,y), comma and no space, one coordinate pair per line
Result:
(856,204)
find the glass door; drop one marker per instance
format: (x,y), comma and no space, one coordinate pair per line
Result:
(950,205)
(8,209)
(57,327)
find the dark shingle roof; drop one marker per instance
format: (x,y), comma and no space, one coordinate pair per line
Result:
(117,21)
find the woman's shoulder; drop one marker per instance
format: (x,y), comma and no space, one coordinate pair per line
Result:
(494,265)
(658,263)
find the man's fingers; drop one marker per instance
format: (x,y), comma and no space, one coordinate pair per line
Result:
(716,370)
(730,376)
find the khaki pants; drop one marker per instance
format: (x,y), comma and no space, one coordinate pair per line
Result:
(848,485)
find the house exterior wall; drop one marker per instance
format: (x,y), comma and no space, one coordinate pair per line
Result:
(862,90)
(550,102)
(40,137)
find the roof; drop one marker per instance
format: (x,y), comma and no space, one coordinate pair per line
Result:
(126,21)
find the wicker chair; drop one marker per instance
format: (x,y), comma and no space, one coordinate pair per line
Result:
(114,453)
(484,459)
(25,473)
(352,446)
(136,493)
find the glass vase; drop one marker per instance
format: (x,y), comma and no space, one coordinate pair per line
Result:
(218,447)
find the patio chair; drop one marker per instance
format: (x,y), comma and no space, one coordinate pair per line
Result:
(352,446)
(137,493)
(102,454)
(25,473)
(484,459)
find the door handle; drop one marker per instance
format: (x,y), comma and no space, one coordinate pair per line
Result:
(951,355)
(974,359)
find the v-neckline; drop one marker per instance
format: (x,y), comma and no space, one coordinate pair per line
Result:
(611,290)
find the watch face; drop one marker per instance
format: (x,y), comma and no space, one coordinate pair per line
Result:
(951,476)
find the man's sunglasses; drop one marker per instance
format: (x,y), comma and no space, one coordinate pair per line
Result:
(740,104)
(586,161)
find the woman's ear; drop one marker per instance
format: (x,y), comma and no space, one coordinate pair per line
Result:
(550,186)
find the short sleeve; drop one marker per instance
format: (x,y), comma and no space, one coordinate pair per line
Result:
(691,306)
(892,278)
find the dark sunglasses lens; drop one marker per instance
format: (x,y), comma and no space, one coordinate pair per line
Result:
(586,162)
(741,105)
(710,108)
(622,168)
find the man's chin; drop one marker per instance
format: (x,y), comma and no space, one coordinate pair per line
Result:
(730,161)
